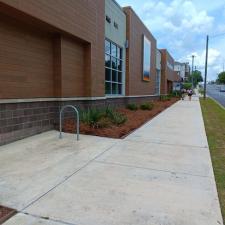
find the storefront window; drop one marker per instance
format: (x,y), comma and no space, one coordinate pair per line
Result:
(113,69)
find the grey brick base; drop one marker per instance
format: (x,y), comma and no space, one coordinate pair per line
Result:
(20,120)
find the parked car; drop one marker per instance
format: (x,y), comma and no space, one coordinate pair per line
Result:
(222,88)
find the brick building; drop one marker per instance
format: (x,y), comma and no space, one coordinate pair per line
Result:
(85,53)
(168,74)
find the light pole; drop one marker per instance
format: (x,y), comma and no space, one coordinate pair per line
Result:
(192,70)
(206,64)
(206,58)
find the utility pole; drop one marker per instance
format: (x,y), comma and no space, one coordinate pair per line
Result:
(206,64)
(192,70)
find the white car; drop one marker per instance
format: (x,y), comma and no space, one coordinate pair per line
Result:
(222,88)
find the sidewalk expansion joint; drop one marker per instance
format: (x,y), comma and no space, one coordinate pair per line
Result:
(165,143)
(47,219)
(68,177)
(152,169)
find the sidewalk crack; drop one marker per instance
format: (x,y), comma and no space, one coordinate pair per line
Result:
(68,177)
(152,169)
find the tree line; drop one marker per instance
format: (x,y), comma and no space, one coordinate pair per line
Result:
(221,78)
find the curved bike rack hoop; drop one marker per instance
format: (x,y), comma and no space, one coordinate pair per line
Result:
(60,119)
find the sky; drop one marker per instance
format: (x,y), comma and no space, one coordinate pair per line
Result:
(181,27)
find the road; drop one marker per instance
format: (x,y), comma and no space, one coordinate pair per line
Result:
(213,91)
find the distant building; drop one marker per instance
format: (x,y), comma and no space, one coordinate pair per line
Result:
(158,71)
(180,69)
(183,70)
(187,71)
(168,75)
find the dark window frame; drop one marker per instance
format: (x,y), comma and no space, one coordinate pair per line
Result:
(118,82)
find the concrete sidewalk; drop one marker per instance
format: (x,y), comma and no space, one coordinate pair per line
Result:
(159,175)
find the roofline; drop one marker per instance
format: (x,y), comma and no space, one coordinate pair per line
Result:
(117,4)
(131,9)
(166,50)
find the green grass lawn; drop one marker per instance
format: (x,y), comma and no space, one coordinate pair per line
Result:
(214,118)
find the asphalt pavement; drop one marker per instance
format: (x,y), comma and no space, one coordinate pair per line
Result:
(214,92)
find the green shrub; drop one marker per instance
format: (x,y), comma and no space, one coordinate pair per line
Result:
(132,106)
(201,91)
(147,106)
(104,122)
(165,97)
(109,110)
(115,117)
(187,85)
(101,118)
(91,116)
(175,94)
(118,118)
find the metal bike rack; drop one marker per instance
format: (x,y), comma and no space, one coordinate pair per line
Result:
(60,119)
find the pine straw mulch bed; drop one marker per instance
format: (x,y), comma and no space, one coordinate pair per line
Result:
(6,213)
(135,119)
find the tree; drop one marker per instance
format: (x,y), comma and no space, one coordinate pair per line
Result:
(221,78)
(197,77)
(187,85)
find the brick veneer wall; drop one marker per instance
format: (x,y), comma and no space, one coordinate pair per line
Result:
(134,56)
(167,75)
(21,120)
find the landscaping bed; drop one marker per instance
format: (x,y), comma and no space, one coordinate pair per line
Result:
(118,123)
(6,213)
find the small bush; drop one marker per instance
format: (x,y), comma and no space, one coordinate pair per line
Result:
(147,106)
(101,118)
(165,97)
(109,111)
(187,85)
(104,122)
(175,94)
(118,118)
(201,91)
(91,117)
(132,106)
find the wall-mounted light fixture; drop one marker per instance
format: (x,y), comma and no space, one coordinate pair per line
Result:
(108,19)
(116,25)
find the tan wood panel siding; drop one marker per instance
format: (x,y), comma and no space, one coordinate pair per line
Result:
(81,19)
(72,68)
(26,62)
(135,31)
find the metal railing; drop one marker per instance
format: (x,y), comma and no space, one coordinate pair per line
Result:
(60,119)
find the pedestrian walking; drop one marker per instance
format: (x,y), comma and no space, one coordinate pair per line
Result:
(183,91)
(190,93)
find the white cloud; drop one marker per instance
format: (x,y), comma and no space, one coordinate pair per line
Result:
(177,16)
(181,27)
(215,62)
(209,5)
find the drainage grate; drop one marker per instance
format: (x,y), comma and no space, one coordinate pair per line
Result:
(6,213)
